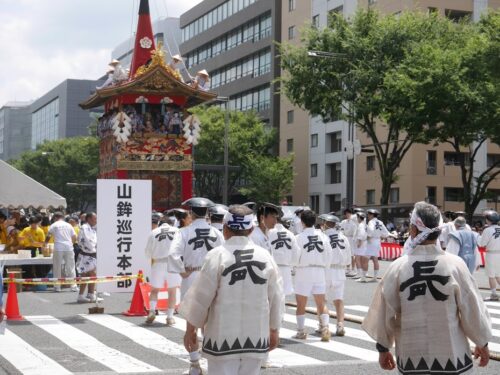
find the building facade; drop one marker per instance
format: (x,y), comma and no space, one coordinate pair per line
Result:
(15,129)
(234,41)
(56,114)
(319,148)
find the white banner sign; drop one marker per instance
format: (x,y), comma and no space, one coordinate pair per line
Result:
(123,226)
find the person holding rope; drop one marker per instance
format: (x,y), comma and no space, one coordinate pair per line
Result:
(86,263)
(429,305)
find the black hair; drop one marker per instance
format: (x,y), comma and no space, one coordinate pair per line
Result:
(265,210)
(308,217)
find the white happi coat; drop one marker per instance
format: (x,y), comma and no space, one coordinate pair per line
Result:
(490,239)
(286,252)
(315,256)
(341,255)
(237,298)
(349,227)
(428,304)
(192,244)
(160,241)
(375,229)
(360,239)
(259,238)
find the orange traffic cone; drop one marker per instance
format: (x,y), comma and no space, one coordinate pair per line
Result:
(12,307)
(137,305)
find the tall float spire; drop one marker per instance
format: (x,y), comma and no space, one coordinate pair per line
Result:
(144,39)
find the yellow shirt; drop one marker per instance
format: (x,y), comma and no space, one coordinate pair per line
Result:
(45,231)
(32,237)
(77,230)
(3,234)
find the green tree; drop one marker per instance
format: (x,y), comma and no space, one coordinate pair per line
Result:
(458,90)
(68,160)
(371,50)
(249,140)
(270,179)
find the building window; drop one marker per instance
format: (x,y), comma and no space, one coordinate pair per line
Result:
(431,195)
(314,170)
(431,163)
(453,194)
(334,175)
(457,15)
(45,124)
(432,10)
(258,99)
(291,5)
(289,145)
(314,202)
(333,202)
(394,195)
(291,32)
(289,117)
(370,197)
(493,159)
(370,163)
(315,21)
(456,158)
(371,2)
(493,195)
(314,140)
(334,142)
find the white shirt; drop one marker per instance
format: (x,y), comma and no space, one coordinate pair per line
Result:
(283,246)
(490,239)
(315,249)
(159,241)
(259,238)
(63,234)
(192,244)
(375,230)
(453,247)
(297,226)
(349,227)
(360,235)
(87,239)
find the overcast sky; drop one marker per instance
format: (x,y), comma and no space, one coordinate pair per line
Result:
(44,42)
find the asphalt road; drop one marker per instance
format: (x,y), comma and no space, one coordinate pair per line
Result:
(59,337)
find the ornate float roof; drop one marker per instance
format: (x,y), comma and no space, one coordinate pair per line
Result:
(157,78)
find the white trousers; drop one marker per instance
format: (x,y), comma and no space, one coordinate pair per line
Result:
(187,282)
(66,259)
(246,366)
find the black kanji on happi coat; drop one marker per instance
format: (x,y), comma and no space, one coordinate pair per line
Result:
(202,239)
(282,240)
(422,279)
(497,233)
(335,241)
(165,233)
(238,223)
(244,266)
(314,244)
(378,225)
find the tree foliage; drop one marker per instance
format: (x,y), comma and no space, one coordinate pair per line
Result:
(270,179)
(55,163)
(249,141)
(458,92)
(389,80)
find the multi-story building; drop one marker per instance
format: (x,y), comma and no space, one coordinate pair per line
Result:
(15,129)
(234,40)
(426,173)
(57,115)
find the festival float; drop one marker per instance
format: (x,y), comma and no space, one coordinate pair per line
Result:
(146,130)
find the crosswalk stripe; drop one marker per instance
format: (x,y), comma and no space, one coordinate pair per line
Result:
(26,358)
(142,336)
(282,357)
(357,308)
(351,332)
(333,346)
(492,304)
(90,346)
(494,311)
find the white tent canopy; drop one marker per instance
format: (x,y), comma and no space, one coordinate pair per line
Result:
(20,191)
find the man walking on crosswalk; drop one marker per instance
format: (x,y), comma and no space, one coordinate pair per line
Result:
(429,305)
(238,299)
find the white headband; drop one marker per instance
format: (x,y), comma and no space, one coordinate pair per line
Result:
(424,231)
(238,222)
